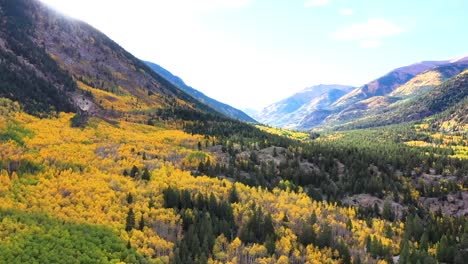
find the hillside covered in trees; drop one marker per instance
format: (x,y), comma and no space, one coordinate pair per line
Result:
(108,162)
(224,191)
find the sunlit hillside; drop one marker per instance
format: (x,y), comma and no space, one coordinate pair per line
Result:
(107,159)
(111,178)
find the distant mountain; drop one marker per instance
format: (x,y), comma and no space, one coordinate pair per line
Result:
(220,107)
(50,63)
(290,111)
(387,83)
(442,97)
(418,85)
(370,105)
(425,81)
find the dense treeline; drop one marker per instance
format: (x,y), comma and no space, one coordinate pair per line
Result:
(447,235)
(377,162)
(204,219)
(372,161)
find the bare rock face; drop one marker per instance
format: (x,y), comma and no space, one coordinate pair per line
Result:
(455,204)
(369,201)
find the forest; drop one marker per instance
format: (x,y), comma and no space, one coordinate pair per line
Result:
(190,187)
(102,160)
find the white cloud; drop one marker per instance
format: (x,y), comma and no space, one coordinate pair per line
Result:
(313,3)
(368,34)
(346,11)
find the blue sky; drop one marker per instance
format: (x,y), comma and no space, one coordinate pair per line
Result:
(250,53)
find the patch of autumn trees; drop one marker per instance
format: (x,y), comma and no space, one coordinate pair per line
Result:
(133,187)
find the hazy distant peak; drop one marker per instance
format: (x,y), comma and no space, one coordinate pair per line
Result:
(420,67)
(460,59)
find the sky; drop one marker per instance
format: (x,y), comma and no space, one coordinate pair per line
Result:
(251,53)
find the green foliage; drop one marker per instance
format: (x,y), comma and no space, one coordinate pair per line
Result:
(203,220)
(36,238)
(307,235)
(233,195)
(79,120)
(257,228)
(324,238)
(14,132)
(387,212)
(434,231)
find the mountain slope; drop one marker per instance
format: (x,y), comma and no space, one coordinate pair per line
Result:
(28,74)
(418,85)
(387,83)
(220,107)
(437,100)
(290,111)
(55,52)
(428,79)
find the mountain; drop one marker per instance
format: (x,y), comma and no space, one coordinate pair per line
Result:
(453,119)
(290,111)
(54,63)
(387,83)
(155,176)
(425,81)
(440,98)
(418,85)
(304,111)
(220,107)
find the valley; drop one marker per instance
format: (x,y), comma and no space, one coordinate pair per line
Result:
(105,158)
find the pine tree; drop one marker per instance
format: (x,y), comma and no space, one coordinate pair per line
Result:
(423,246)
(443,250)
(151,203)
(307,236)
(134,172)
(270,245)
(141,224)
(324,239)
(233,196)
(269,229)
(146,175)
(212,203)
(369,244)
(387,212)
(405,253)
(130,220)
(129,198)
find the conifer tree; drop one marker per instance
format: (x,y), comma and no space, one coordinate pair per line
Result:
(130,220)
(146,175)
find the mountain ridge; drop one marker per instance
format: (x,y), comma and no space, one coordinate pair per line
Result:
(387,83)
(381,94)
(219,106)
(280,113)
(36,35)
